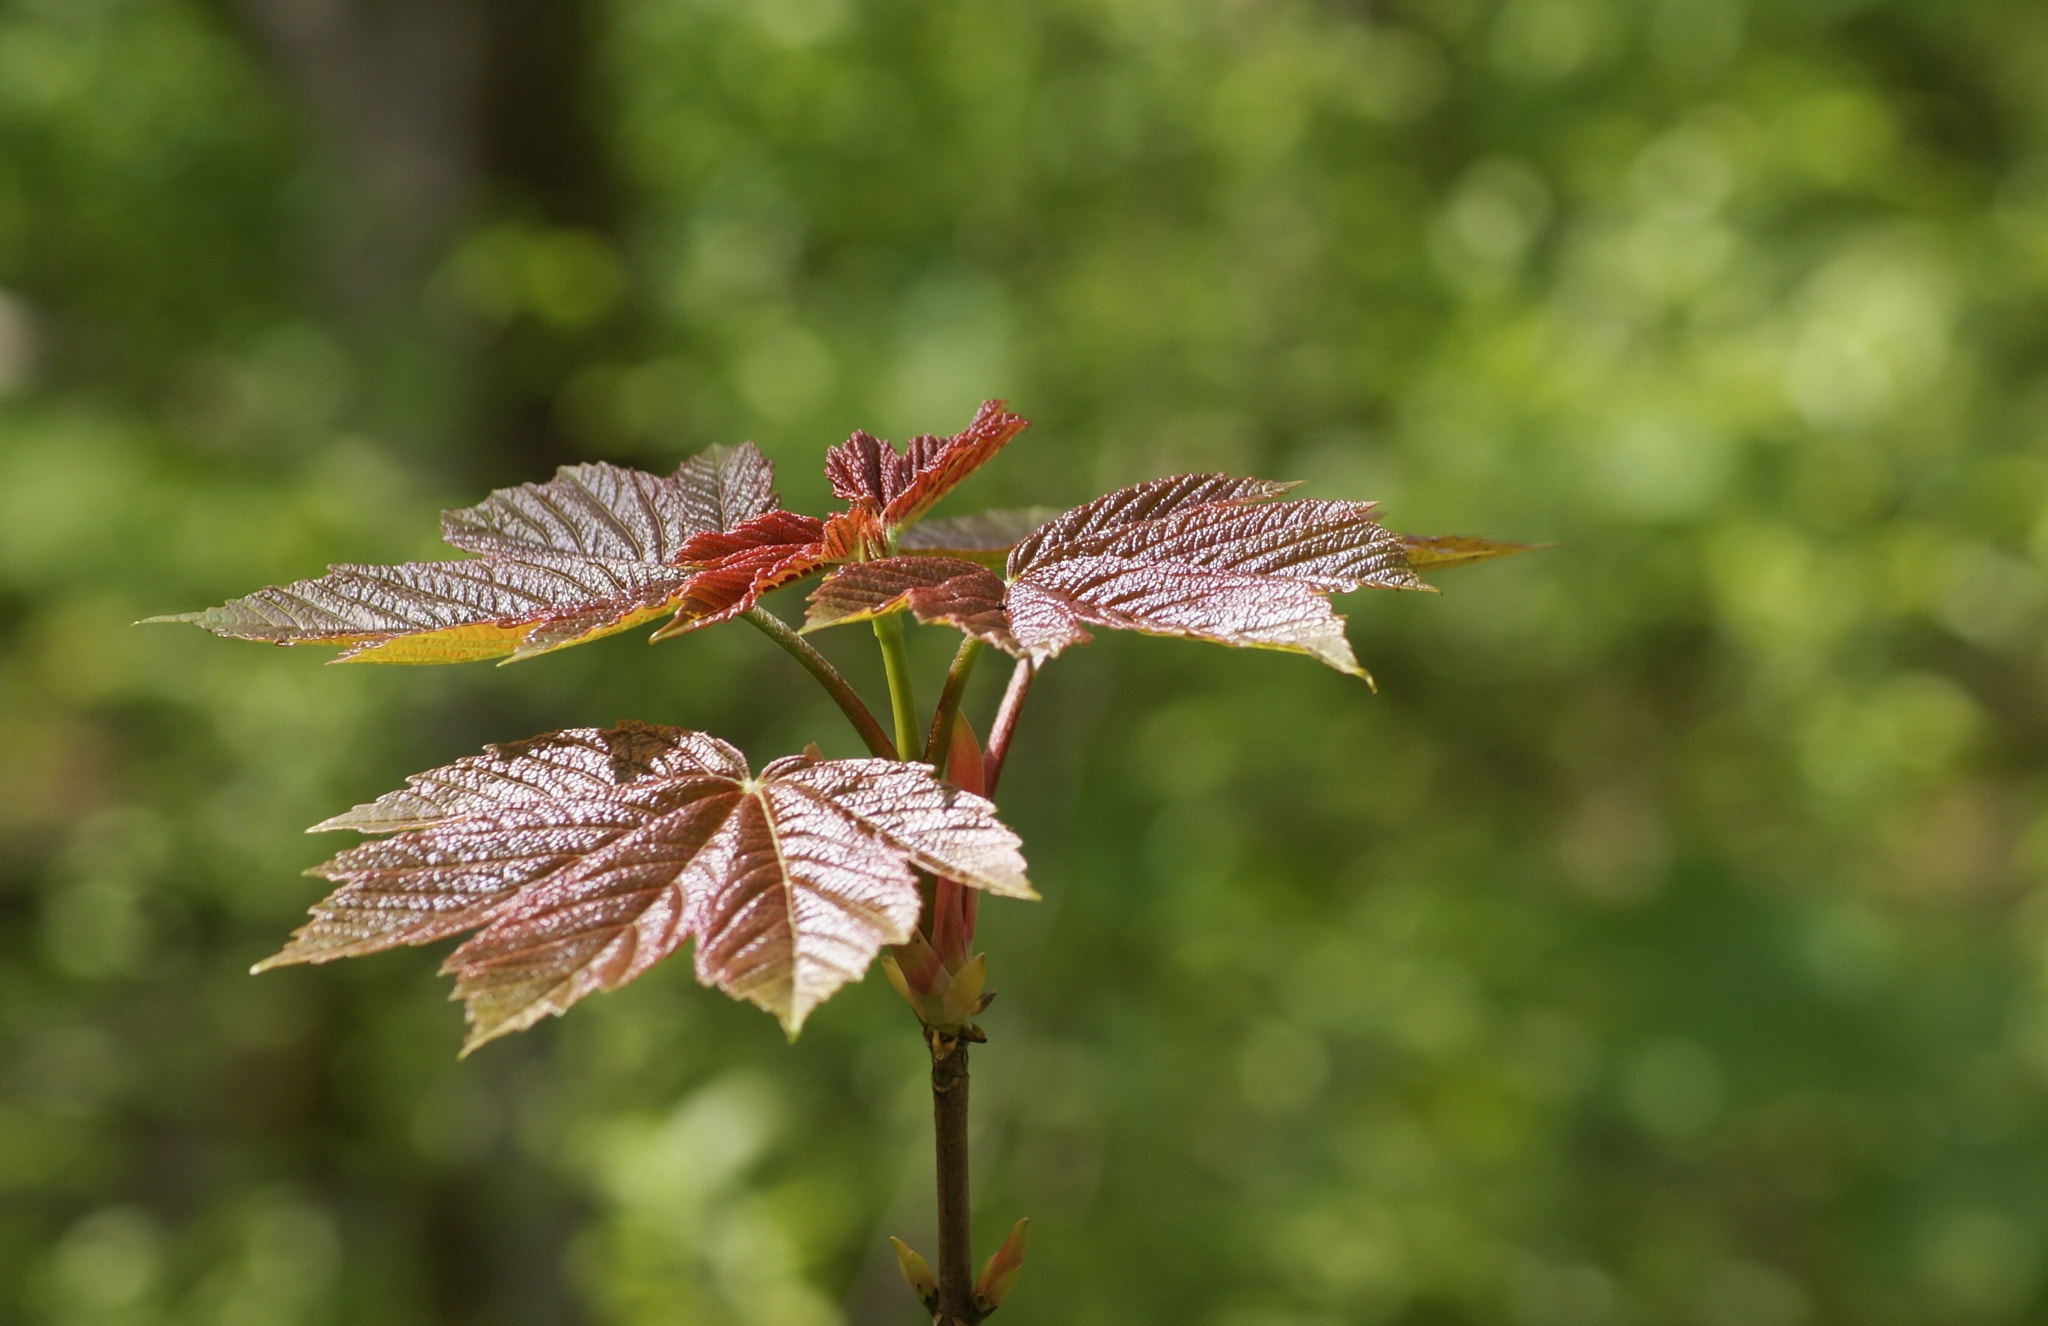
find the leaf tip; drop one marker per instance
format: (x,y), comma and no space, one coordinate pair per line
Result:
(668,630)
(479,1037)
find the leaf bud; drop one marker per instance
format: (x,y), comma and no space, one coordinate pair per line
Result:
(952,921)
(917,974)
(917,1273)
(962,999)
(999,1273)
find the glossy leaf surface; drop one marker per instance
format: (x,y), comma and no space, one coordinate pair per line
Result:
(901,486)
(779,548)
(1204,556)
(590,552)
(583,857)
(936,589)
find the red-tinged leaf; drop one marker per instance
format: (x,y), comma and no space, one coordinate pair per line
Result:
(1201,556)
(610,513)
(936,589)
(1334,546)
(1129,507)
(985,536)
(583,555)
(1206,557)
(902,486)
(1437,551)
(583,857)
(735,568)
(1051,607)
(433,897)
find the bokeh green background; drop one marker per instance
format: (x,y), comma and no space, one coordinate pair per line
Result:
(1663,943)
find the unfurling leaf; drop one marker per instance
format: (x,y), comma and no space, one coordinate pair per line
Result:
(886,490)
(583,857)
(1203,556)
(901,486)
(590,552)
(738,566)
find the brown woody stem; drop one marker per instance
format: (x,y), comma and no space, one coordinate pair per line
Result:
(1005,727)
(949,703)
(857,713)
(949,1127)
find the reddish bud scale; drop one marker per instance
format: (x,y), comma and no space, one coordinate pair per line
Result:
(953,905)
(999,1273)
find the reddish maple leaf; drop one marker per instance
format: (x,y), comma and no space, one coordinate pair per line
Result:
(988,536)
(935,589)
(901,486)
(734,568)
(1204,556)
(886,491)
(590,552)
(583,857)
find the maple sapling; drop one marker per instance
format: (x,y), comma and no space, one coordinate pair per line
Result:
(575,860)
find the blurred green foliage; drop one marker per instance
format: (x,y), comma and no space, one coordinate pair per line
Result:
(1664,942)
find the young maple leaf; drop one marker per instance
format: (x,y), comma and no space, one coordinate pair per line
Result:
(583,857)
(1204,556)
(901,486)
(886,492)
(734,568)
(988,536)
(590,552)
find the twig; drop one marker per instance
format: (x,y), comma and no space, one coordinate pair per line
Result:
(1005,727)
(949,703)
(828,676)
(949,1127)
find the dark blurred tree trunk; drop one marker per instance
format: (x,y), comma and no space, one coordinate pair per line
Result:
(440,115)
